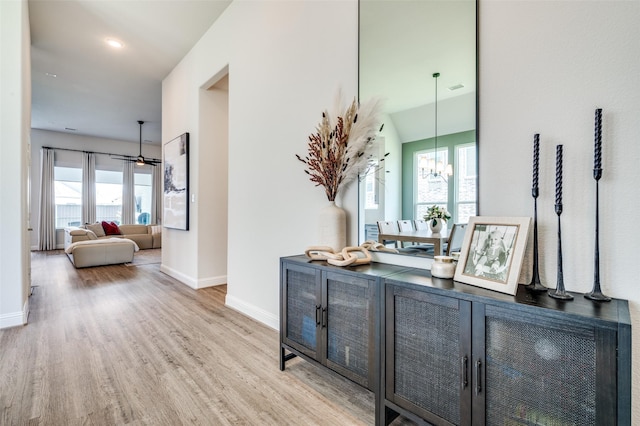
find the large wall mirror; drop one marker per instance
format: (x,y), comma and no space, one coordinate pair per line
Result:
(430,122)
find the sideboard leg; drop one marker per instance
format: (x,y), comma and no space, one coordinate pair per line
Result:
(285,357)
(389,415)
(282,358)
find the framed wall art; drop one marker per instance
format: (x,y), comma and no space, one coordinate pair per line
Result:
(492,252)
(176,183)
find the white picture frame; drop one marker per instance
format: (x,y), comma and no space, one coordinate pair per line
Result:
(492,252)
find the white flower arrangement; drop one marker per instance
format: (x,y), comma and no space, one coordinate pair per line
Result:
(339,150)
(437,212)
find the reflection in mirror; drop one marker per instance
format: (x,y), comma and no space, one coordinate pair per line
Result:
(419,57)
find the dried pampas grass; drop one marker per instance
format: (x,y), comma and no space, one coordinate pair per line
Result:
(339,150)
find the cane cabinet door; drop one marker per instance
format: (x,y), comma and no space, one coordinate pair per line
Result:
(349,326)
(543,370)
(301,316)
(428,355)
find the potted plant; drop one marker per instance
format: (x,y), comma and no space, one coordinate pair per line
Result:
(437,216)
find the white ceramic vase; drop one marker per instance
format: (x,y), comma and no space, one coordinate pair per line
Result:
(437,227)
(332,227)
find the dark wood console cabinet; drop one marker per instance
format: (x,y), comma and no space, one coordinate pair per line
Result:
(445,353)
(331,315)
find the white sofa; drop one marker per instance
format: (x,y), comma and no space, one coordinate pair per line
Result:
(105,251)
(145,236)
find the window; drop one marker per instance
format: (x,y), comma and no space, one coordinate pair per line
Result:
(434,189)
(68,196)
(430,189)
(466,179)
(142,191)
(108,196)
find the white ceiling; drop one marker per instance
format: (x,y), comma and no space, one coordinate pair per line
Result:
(100,91)
(81,83)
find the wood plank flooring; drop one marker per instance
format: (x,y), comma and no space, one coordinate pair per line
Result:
(130,345)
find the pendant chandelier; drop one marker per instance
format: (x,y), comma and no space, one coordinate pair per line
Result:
(437,169)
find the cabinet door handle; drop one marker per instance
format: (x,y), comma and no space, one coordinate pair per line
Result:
(324,317)
(317,314)
(464,365)
(477,380)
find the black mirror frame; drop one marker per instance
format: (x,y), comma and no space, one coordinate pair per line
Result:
(477,118)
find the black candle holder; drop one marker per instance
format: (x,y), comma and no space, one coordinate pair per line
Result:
(596,293)
(559,292)
(535,284)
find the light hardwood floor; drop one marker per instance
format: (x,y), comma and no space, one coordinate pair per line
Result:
(130,345)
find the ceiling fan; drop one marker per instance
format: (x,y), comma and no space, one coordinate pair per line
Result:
(140,160)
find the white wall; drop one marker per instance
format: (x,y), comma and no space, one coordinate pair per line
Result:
(285,68)
(40,138)
(15,118)
(390,183)
(544,67)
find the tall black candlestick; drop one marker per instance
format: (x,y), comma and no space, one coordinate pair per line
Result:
(559,177)
(535,284)
(559,292)
(536,165)
(597,155)
(596,293)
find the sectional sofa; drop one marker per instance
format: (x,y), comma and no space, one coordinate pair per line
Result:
(145,236)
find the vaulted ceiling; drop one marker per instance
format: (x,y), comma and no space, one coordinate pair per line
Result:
(82,85)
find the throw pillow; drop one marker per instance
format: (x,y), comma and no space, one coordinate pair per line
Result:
(96,228)
(110,228)
(91,235)
(116,228)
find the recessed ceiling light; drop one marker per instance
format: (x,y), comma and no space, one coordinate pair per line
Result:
(456,87)
(114,43)
(48,74)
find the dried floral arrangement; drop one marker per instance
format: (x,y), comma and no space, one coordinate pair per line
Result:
(339,149)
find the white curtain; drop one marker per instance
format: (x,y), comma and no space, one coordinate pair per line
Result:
(88,187)
(47,224)
(156,194)
(128,194)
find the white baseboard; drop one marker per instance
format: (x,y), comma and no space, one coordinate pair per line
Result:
(184,279)
(258,314)
(15,319)
(192,282)
(212,281)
